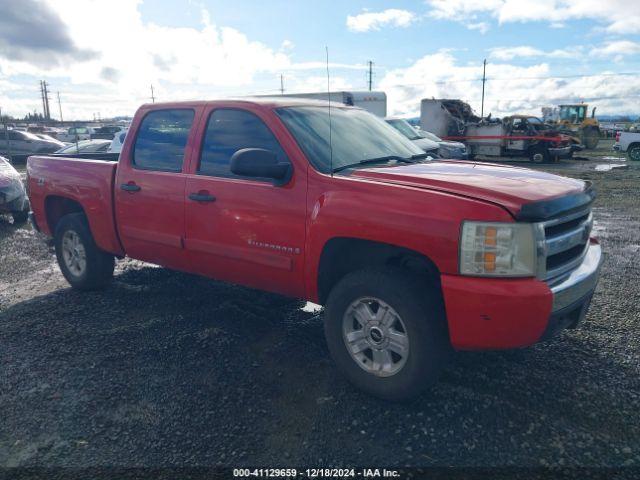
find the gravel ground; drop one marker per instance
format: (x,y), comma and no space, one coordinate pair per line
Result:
(168,369)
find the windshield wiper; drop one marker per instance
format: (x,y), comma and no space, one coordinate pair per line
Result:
(381,159)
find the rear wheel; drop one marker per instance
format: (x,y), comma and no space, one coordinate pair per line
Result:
(386,332)
(82,263)
(634,153)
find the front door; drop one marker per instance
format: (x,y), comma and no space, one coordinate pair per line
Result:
(149,188)
(240,229)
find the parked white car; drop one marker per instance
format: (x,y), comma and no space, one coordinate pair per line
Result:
(118,140)
(628,142)
(76,134)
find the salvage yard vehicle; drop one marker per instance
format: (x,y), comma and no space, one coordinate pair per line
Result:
(426,144)
(76,134)
(18,145)
(106,132)
(86,146)
(513,136)
(13,198)
(628,142)
(412,258)
(572,120)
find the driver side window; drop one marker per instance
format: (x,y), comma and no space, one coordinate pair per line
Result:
(230,130)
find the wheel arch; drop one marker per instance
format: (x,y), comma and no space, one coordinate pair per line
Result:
(57,206)
(342,255)
(631,146)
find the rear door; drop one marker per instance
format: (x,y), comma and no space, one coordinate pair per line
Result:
(249,231)
(149,187)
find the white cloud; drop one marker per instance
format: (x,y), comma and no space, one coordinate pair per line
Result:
(618,16)
(620,48)
(509,88)
(366,21)
(181,62)
(509,53)
(482,27)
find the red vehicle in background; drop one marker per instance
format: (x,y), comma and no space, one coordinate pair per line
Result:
(412,258)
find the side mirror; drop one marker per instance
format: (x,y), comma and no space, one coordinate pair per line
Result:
(258,162)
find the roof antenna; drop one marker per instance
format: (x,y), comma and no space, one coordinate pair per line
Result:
(329,104)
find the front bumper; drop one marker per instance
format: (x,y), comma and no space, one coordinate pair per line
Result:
(561,152)
(487,313)
(572,296)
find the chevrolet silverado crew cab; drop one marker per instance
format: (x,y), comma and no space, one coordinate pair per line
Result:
(412,258)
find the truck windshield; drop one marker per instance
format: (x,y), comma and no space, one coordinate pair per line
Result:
(356,136)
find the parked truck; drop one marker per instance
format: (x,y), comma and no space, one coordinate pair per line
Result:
(411,258)
(628,142)
(513,136)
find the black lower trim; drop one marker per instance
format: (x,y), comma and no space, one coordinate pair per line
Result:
(568,317)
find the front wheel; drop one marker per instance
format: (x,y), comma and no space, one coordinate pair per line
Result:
(386,332)
(539,154)
(82,263)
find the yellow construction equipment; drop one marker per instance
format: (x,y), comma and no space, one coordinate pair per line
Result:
(573,120)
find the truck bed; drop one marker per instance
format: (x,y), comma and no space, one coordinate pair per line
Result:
(87,181)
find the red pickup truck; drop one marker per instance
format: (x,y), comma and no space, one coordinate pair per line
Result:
(411,257)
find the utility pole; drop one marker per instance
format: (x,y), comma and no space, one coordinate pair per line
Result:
(60,107)
(370,74)
(44,105)
(45,100)
(484,79)
(281,84)
(153,98)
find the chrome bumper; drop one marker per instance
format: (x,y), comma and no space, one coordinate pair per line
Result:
(581,282)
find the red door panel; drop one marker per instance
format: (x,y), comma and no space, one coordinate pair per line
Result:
(245,231)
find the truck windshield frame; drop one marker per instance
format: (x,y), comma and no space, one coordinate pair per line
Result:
(356,136)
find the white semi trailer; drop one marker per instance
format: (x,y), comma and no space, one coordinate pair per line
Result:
(373,102)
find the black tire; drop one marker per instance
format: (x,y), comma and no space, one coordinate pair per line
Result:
(422,313)
(539,154)
(20,218)
(98,271)
(590,138)
(634,152)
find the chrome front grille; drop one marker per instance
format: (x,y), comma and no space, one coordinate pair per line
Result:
(563,243)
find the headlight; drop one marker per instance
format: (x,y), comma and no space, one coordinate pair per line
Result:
(497,249)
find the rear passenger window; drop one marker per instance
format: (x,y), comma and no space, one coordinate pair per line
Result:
(162,137)
(230,130)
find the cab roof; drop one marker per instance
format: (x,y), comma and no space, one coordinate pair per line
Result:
(268,102)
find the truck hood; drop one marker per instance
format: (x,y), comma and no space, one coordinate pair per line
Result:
(510,187)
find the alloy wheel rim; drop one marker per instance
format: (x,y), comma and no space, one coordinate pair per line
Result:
(375,337)
(73,253)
